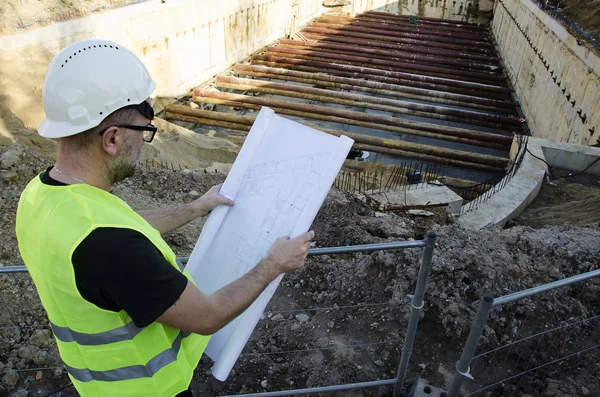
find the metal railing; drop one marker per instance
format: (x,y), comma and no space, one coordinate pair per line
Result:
(555,12)
(528,347)
(32,318)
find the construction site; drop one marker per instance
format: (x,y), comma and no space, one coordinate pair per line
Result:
(457,252)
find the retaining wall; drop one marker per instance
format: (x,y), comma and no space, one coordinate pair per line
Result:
(474,11)
(555,77)
(182,42)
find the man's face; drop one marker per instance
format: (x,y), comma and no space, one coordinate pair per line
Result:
(127,159)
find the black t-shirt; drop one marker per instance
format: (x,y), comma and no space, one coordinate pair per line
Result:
(120,269)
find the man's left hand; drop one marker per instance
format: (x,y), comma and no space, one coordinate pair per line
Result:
(210,200)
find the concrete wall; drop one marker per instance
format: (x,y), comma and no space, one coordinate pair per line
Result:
(182,42)
(185,42)
(549,111)
(475,11)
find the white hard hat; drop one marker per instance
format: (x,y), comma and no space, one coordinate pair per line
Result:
(86,82)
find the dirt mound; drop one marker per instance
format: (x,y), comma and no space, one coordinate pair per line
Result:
(19,15)
(181,148)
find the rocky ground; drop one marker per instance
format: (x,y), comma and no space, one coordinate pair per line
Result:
(342,319)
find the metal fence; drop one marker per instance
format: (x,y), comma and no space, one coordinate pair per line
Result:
(537,336)
(556,12)
(30,359)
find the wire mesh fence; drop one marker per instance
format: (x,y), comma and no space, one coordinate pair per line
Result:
(554,9)
(31,364)
(531,336)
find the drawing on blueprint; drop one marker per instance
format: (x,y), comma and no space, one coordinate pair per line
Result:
(278,182)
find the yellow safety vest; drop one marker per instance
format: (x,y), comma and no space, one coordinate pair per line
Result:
(104,353)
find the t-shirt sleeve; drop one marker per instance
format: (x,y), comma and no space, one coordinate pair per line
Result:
(120,269)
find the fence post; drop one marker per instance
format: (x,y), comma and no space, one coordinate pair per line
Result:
(463,365)
(417,304)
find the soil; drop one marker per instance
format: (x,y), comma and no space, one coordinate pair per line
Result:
(564,201)
(342,319)
(20,15)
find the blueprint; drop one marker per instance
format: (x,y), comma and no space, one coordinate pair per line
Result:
(278,183)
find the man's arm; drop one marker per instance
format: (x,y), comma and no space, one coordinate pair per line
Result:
(205,315)
(165,220)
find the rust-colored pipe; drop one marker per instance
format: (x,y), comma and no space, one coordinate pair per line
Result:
(172,115)
(408,67)
(421,23)
(243,123)
(403,34)
(408,48)
(366,101)
(382,76)
(374,119)
(398,40)
(484,89)
(435,159)
(372,63)
(393,27)
(432,21)
(341,120)
(400,27)
(392,54)
(374,87)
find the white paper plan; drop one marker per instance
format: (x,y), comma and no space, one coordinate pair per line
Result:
(278,183)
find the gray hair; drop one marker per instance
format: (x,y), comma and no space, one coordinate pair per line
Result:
(84,140)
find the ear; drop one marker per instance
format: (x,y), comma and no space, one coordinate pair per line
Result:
(113,140)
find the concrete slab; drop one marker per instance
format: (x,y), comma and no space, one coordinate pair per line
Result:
(570,157)
(422,195)
(509,202)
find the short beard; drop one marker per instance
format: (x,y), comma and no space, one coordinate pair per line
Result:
(124,165)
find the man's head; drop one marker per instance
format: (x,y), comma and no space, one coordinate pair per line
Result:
(95,98)
(118,140)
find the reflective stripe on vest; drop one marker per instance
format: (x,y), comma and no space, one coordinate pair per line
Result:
(159,361)
(126,332)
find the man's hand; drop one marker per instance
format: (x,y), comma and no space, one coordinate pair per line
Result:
(205,315)
(289,254)
(171,218)
(210,200)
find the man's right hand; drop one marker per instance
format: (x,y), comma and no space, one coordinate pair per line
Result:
(289,254)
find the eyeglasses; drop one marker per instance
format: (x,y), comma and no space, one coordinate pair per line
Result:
(149,130)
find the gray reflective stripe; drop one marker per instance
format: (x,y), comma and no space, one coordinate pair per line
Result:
(159,361)
(126,332)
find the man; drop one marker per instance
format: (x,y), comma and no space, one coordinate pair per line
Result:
(127,321)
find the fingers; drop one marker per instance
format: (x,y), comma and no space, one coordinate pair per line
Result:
(306,237)
(224,200)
